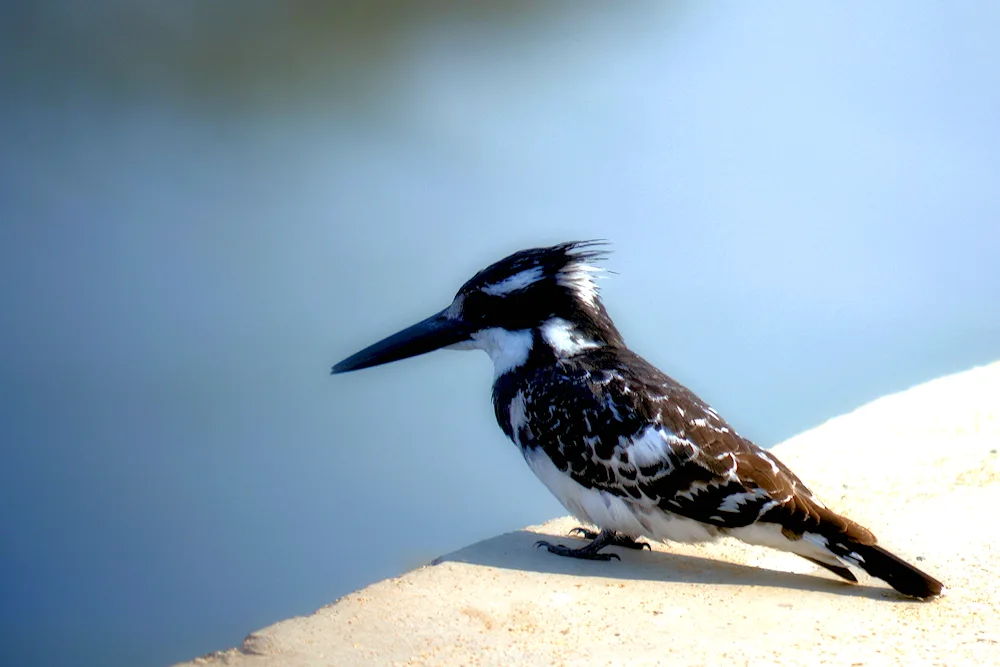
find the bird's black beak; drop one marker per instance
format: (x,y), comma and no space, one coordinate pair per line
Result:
(435,332)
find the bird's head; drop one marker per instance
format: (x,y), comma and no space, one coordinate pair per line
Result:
(543,300)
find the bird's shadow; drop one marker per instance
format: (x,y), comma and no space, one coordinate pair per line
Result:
(517,551)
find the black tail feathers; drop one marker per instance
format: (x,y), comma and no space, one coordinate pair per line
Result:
(899,574)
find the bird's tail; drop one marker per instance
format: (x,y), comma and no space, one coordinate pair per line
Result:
(895,571)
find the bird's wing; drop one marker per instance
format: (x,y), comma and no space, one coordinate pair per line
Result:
(645,436)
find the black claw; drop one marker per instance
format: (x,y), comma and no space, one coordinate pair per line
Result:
(588,552)
(615,540)
(633,544)
(583,553)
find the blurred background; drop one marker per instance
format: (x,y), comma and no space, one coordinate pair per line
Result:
(205,205)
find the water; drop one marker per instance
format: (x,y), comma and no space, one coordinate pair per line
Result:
(204,208)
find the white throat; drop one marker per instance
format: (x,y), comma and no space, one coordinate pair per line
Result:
(507,349)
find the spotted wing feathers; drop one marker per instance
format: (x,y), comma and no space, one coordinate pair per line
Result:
(630,430)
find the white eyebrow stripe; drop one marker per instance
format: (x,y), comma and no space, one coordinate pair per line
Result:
(515,282)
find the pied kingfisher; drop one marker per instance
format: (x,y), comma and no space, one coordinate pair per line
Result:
(623,446)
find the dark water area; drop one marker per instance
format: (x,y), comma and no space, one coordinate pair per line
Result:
(203,206)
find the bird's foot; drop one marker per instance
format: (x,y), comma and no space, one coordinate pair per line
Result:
(617,540)
(585,553)
(605,538)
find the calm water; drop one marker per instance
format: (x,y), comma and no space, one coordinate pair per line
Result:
(202,209)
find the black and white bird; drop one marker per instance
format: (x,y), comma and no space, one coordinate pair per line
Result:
(623,446)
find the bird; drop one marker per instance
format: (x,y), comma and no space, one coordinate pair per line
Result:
(622,445)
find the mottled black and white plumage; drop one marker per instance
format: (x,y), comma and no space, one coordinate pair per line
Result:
(618,442)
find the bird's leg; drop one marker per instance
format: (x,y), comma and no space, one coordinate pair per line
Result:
(617,539)
(589,552)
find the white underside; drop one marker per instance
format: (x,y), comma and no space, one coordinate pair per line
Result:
(638,518)
(606,510)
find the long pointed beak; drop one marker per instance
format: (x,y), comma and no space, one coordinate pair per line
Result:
(435,332)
